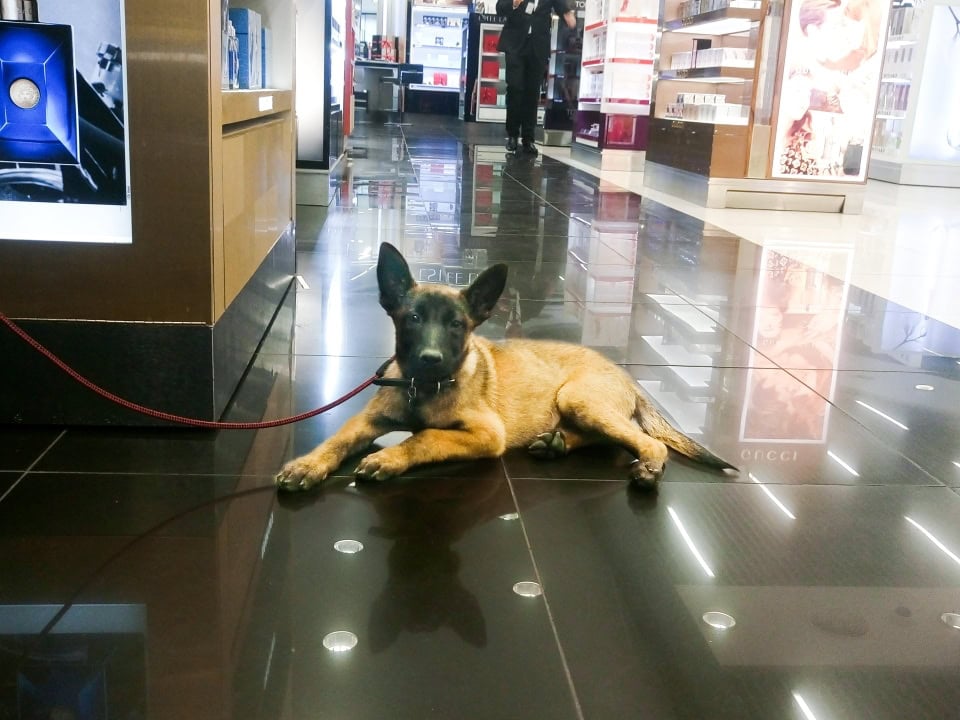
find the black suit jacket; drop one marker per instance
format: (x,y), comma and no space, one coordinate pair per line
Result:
(522,27)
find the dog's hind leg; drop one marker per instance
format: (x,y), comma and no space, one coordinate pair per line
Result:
(559,442)
(588,404)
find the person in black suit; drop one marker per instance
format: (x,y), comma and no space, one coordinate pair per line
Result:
(525,42)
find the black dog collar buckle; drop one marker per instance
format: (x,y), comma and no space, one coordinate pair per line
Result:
(413,389)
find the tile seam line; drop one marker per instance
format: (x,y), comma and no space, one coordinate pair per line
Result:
(546,602)
(32,465)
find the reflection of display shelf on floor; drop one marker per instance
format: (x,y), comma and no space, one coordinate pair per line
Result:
(689,417)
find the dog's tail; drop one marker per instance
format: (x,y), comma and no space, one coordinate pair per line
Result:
(656,425)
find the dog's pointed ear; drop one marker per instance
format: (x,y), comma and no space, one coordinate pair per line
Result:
(393,277)
(485,291)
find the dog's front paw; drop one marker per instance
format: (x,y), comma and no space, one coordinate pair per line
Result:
(646,474)
(549,446)
(383,464)
(303,473)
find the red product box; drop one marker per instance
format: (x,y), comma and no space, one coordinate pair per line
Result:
(488,96)
(490,69)
(490,41)
(484,172)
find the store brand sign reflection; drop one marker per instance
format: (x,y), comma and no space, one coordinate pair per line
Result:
(456,276)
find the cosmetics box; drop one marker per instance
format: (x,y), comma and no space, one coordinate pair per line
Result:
(247,23)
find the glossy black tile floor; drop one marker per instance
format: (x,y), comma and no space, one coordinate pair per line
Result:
(157,574)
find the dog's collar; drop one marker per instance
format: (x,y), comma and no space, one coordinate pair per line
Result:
(413,387)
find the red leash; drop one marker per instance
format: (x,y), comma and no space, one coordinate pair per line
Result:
(210,424)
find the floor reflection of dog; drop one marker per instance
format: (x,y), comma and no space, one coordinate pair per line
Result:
(425,519)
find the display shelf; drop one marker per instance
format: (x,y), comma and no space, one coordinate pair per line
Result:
(490,84)
(916,134)
(727,127)
(616,82)
(190,280)
(731,74)
(242,105)
(437,43)
(739,18)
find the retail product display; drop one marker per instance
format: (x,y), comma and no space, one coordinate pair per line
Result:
(437,43)
(747,95)
(916,133)
(491,96)
(63,131)
(616,75)
(244,57)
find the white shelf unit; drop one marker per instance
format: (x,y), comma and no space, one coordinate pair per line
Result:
(436,42)
(616,73)
(489,85)
(916,136)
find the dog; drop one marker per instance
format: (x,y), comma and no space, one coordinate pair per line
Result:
(464,397)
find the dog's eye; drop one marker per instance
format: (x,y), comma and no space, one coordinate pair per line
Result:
(457,324)
(414,318)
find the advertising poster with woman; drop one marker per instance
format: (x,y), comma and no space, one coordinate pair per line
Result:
(64,165)
(829,90)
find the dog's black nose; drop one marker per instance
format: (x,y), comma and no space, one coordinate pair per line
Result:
(431,357)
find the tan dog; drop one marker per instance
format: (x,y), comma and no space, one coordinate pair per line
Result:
(464,397)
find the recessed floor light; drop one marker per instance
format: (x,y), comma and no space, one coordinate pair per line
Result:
(952,619)
(348,547)
(528,589)
(719,620)
(340,641)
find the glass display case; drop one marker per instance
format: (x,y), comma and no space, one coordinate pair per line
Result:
(916,136)
(616,82)
(758,106)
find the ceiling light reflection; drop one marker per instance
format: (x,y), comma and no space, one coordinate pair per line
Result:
(773,497)
(510,516)
(807,712)
(930,536)
(340,641)
(686,538)
(952,619)
(719,620)
(928,388)
(842,463)
(528,589)
(348,547)
(883,415)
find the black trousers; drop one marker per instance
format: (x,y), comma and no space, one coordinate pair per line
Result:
(524,75)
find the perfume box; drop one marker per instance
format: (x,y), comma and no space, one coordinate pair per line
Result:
(38,94)
(248,24)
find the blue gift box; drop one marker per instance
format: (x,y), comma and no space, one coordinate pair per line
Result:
(38,94)
(247,23)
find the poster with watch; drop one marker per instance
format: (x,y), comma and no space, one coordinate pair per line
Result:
(64,161)
(828,94)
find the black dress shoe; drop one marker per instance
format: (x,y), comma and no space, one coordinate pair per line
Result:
(529,148)
(512,145)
